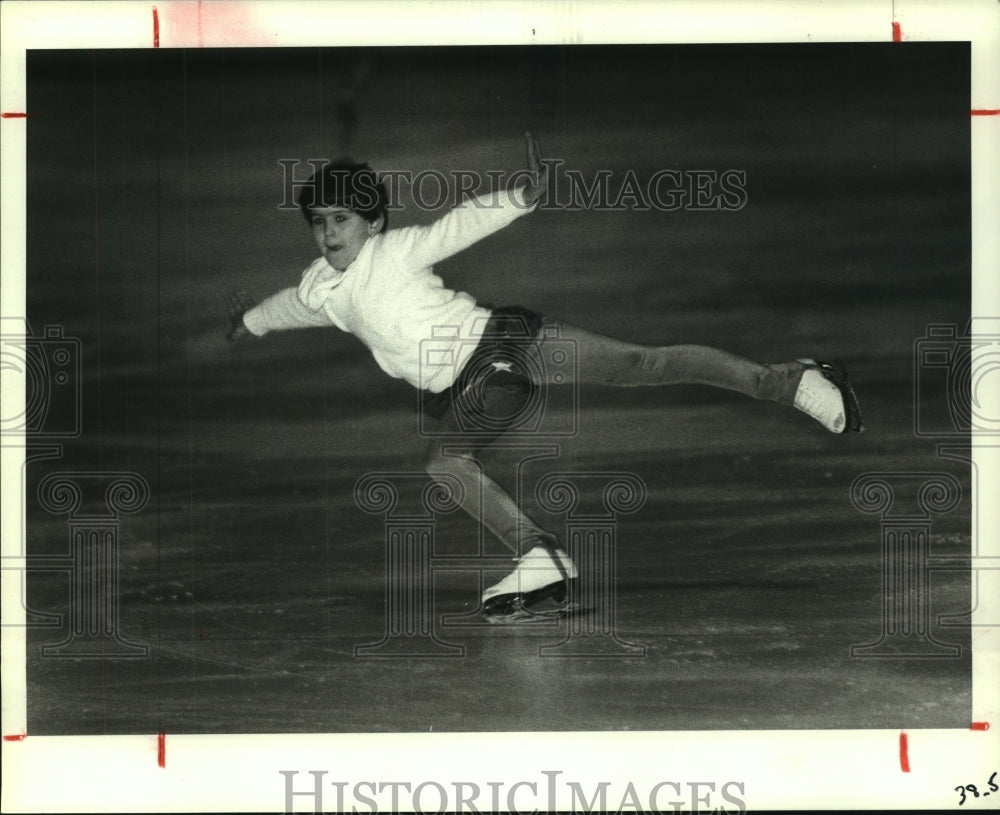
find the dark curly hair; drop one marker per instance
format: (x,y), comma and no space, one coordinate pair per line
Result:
(343,183)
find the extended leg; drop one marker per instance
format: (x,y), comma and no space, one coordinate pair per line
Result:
(607,361)
(819,390)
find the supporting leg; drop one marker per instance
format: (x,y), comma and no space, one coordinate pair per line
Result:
(484,499)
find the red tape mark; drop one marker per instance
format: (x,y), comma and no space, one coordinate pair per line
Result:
(156,28)
(19,737)
(161,749)
(985,112)
(13,115)
(979,726)
(897,33)
(904,756)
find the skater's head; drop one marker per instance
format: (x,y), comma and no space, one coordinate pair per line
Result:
(345,204)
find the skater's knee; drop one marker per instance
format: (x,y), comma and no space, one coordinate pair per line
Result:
(436,461)
(642,365)
(646,360)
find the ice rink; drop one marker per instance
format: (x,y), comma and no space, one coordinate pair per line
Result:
(747,574)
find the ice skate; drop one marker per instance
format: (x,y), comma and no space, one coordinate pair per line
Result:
(536,588)
(825,394)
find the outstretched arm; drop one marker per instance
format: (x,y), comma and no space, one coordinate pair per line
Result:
(418,247)
(280,311)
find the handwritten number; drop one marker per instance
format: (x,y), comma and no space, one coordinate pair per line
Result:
(972,789)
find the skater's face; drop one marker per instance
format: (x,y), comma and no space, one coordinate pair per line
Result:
(340,234)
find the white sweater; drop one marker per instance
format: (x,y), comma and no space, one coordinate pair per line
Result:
(390,298)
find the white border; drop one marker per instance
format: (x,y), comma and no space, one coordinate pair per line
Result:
(843,769)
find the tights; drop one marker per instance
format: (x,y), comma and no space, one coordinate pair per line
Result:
(600,361)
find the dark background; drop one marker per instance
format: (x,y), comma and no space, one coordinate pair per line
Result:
(154,188)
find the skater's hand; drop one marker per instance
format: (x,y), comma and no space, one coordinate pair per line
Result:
(537,168)
(239,303)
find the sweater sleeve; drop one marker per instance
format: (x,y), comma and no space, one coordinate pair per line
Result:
(423,246)
(282,311)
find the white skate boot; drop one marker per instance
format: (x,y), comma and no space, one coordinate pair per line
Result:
(825,394)
(543,573)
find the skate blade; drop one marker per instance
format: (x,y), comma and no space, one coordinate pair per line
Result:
(544,605)
(505,605)
(855,421)
(524,615)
